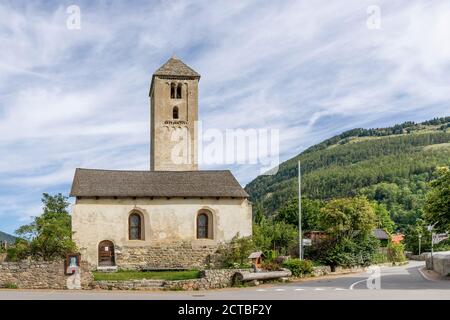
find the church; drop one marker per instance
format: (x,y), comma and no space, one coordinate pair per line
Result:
(172,216)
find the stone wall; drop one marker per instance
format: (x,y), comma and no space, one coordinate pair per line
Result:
(39,275)
(175,256)
(422,257)
(440,263)
(209,279)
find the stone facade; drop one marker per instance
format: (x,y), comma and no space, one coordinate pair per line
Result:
(169,229)
(166,256)
(39,275)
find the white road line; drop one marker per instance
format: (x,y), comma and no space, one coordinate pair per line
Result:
(319,289)
(261,290)
(339,289)
(279,289)
(299,289)
(354,284)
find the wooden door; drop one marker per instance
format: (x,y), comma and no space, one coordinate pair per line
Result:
(106,254)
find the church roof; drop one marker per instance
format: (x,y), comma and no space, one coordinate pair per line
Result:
(176,67)
(117,183)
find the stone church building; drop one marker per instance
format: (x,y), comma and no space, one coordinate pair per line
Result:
(171,216)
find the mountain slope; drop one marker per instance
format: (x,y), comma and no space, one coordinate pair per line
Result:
(399,159)
(7,237)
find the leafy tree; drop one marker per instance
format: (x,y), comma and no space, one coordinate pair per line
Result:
(278,236)
(50,234)
(259,214)
(310,212)
(347,217)
(384,220)
(437,208)
(349,223)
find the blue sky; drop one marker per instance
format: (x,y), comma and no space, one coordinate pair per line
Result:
(312,69)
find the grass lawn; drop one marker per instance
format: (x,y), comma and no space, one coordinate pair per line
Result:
(136,275)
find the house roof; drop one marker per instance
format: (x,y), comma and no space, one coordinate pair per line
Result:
(176,67)
(380,234)
(118,183)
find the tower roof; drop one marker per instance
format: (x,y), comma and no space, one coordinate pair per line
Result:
(176,67)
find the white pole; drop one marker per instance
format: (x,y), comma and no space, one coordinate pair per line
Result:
(420,238)
(300,244)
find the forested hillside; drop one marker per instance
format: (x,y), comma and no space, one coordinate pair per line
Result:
(389,165)
(7,237)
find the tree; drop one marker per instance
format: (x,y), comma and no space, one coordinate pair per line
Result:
(437,207)
(278,236)
(310,213)
(384,220)
(349,223)
(259,214)
(50,234)
(347,217)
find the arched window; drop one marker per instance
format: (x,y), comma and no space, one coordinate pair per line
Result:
(205,225)
(175,113)
(172,90)
(179,91)
(202,226)
(135,226)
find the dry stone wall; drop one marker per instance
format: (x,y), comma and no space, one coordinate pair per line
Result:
(39,275)
(209,279)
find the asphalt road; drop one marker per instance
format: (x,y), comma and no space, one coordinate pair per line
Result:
(403,282)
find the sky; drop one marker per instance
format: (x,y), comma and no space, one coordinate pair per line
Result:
(76,94)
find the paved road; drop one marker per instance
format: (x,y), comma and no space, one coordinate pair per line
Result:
(404,282)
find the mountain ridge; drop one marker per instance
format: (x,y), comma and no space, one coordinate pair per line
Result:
(7,237)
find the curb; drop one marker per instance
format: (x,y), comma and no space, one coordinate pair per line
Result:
(425,276)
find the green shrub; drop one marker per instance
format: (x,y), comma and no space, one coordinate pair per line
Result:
(270,266)
(396,252)
(380,257)
(299,267)
(235,253)
(20,251)
(10,285)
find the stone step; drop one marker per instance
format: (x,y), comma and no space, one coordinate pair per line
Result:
(107,268)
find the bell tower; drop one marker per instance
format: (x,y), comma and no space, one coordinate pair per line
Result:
(173,117)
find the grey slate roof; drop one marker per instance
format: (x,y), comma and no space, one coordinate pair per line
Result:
(117,183)
(176,67)
(380,234)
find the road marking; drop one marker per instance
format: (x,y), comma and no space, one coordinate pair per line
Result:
(299,289)
(279,289)
(354,284)
(319,289)
(339,289)
(261,290)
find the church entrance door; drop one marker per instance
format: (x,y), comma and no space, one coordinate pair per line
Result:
(106,255)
